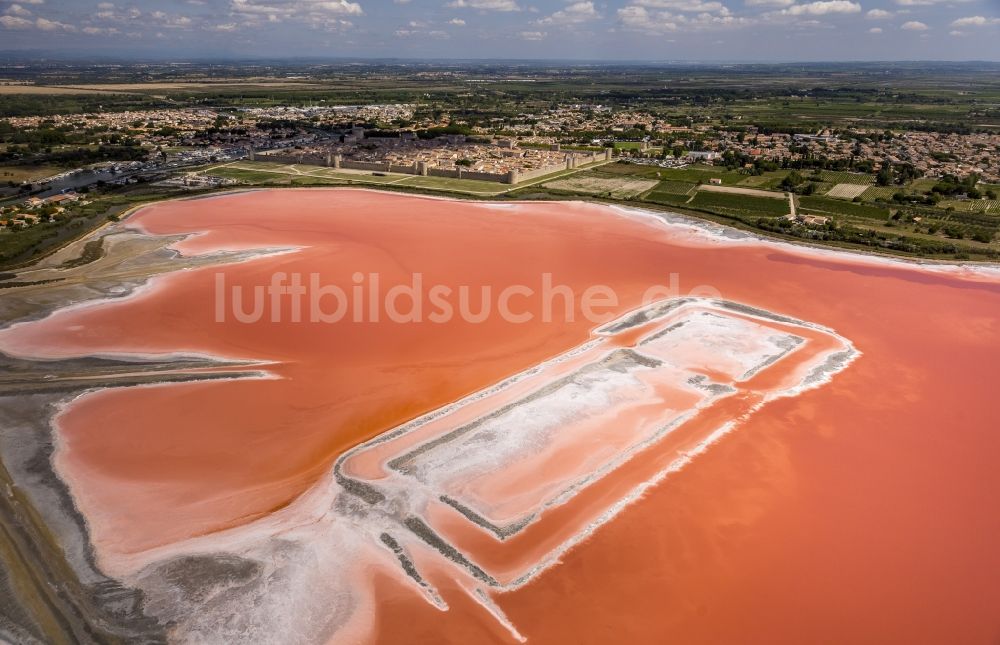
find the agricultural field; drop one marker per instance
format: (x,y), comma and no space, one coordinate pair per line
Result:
(460,185)
(827,206)
(879,193)
(593,184)
(972,205)
(674,187)
(923,185)
(697,174)
(244,174)
(665,198)
(847,191)
(279,174)
(770,179)
(740,190)
(740,205)
(45,90)
(835,177)
(28,172)
(670,193)
(632,169)
(690,174)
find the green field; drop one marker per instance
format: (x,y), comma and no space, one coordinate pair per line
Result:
(769,179)
(690,174)
(317,172)
(463,185)
(879,193)
(972,205)
(833,177)
(704,175)
(368,178)
(670,193)
(923,185)
(628,145)
(633,169)
(740,205)
(28,172)
(252,176)
(268,173)
(672,187)
(828,206)
(667,199)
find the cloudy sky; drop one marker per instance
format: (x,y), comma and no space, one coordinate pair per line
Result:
(704,30)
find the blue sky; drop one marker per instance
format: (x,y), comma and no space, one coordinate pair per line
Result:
(700,30)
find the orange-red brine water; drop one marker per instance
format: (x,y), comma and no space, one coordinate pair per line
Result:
(862,511)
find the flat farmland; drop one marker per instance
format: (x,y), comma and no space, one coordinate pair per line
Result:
(827,206)
(847,191)
(696,174)
(973,205)
(740,205)
(674,187)
(461,185)
(691,174)
(29,172)
(769,179)
(847,178)
(593,184)
(739,190)
(879,193)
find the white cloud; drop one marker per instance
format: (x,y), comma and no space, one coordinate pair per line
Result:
(685,5)
(458,22)
(337,7)
(878,14)
(925,3)
(875,30)
(312,11)
(914,25)
(975,21)
(573,14)
(638,18)
(420,28)
(769,3)
(14,22)
(173,22)
(485,5)
(225,27)
(17,10)
(42,24)
(823,8)
(100,31)
(32,1)
(52,25)
(532,35)
(956,33)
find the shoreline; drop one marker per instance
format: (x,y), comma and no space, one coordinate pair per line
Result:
(691,218)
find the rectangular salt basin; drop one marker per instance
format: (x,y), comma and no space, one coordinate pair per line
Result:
(476,467)
(505,467)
